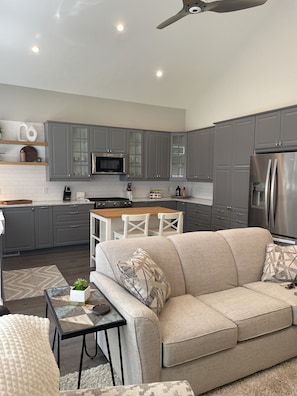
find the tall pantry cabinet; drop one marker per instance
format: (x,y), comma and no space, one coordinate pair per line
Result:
(234,144)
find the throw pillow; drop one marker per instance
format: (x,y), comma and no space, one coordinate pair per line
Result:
(28,366)
(143,278)
(280,263)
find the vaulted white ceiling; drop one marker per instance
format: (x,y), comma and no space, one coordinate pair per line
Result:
(81,51)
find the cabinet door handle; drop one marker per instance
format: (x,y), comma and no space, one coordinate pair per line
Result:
(74,212)
(74,226)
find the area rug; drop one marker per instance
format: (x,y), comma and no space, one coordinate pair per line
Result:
(280,380)
(31,282)
(97,377)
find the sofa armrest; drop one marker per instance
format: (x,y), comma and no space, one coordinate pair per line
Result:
(171,388)
(140,337)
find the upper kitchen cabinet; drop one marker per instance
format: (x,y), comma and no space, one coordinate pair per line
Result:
(108,139)
(276,130)
(234,144)
(157,157)
(68,151)
(135,154)
(178,156)
(200,154)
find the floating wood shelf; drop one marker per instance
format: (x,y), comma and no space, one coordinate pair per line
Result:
(23,143)
(23,163)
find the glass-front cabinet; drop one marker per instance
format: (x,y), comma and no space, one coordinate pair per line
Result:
(135,154)
(68,151)
(178,155)
(80,152)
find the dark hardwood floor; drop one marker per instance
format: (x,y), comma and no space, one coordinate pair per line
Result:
(72,263)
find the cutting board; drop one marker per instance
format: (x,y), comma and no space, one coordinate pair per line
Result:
(16,202)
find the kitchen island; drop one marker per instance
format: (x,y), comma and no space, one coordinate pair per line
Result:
(104,221)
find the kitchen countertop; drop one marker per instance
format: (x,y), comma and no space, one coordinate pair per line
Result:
(201,201)
(49,203)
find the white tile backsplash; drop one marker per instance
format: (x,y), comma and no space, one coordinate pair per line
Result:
(30,182)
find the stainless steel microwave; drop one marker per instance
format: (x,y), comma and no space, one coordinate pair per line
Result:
(109,164)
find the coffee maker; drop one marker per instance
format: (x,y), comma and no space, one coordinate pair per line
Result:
(67,194)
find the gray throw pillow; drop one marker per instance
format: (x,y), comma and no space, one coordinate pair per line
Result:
(145,280)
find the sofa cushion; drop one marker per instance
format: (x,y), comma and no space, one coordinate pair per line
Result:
(280,263)
(160,249)
(277,290)
(191,329)
(28,367)
(248,246)
(142,277)
(254,313)
(207,261)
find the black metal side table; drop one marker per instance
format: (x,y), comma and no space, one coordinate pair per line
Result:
(73,320)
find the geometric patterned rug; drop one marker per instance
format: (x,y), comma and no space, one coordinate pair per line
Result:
(31,282)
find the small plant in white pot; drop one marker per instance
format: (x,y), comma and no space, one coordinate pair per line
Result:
(80,290)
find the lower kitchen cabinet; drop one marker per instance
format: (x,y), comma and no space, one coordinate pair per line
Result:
(71,224)
(43,227)
(198,217)
(223,218)
(164,204)
(19,229)
(27,228)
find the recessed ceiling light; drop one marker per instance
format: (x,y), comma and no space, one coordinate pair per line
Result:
(35,49)
(120,27)
(159,73)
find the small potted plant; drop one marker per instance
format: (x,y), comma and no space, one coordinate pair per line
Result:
(80,290)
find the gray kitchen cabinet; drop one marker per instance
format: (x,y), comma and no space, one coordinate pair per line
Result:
(276,130)
(43,219)
(68,151)
(234,143)
(71,224)
(178,156)
(135,154)
(154,202)
(198,217)
(182,206)
(19,229)
(104,139)
(157,158)
(200,154)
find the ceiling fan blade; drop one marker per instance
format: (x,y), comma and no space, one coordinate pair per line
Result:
(232,5)
(182,13)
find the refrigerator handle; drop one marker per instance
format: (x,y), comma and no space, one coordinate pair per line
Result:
(272,192)
(266,196)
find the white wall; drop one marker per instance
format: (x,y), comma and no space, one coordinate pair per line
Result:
(35,105)
(260,78)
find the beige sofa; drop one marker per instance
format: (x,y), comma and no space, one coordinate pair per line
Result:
(220,323)
(28,366)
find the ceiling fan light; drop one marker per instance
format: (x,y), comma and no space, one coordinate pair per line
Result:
(195,10)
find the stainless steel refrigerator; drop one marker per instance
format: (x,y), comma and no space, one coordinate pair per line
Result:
(273,194)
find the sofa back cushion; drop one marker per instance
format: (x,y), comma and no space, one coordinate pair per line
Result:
(160,249)
(248,246)
(207,261)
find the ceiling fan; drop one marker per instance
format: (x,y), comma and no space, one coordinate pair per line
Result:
(197,6)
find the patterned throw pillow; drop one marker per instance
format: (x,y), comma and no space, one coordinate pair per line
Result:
(280,263)
(142,277)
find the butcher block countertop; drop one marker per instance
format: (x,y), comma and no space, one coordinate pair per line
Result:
(114,213)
